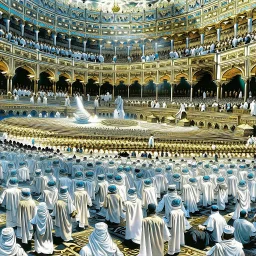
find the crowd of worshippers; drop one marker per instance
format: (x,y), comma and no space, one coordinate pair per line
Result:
(137,191)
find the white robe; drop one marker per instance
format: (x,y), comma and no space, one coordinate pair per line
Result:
(243,202)
(177,224)
(215,224)
(160,183)
(134,218)
(113,204)
(151,142)
(50,197)
(148,197)
(232,185)
(154,234)
(190,198)
(90,188)
(222,196)
(244,230)
(26,212)
(81,201)
(207,193)
(227,248)
(10,199)
(101,192)
(252,189)
(23,174)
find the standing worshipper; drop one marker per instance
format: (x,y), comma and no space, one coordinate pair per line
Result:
(177,224)
(26,212)
(48,176)
(23,172)
(252,186)
(160,182)
(101,192)
(207,191)
(245,231)
(64,180)
(42,226)
(100,243)
(50,195)
(134,217)
(113,205)
(37,183)
(151,142)
(121,188)
(243,199)
(63,212)
(228,246)
(8,245)
(232,183)
(90,184)
(10,200)
(81,202)
(154,233)
(222,193)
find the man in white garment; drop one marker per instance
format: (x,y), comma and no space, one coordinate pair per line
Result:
(232,181)
(253,108)
(81,201)
(160,182)
(101,192)
(214,224)
(50,195)
(245,231)
(177,224)
(121,188)
(134,217)
(100,243)
(154,233)
(26,212)
(8,245)
(23,172)
(64,180)
(63,213)
(113,205)
(207,191)
(228,246)
(252,186)
(10,200)
(151,141)
(90,184)
(37,183)
(48,176)
(243,199)
(221,191)
(43,226)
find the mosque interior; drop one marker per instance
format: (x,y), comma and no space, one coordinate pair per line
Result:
(159,56)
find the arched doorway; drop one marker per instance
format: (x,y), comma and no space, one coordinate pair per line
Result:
(135,89)
(23,79)
(62,85)
(234,87)
(149,90)
(45,83)
(121,90)
(78,87)
(92,88)
(204,84)
(164,89)
(182,89)
(106,87)
(3,83)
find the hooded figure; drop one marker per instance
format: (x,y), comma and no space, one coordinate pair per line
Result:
(42,224)
(100,243)
(8,245)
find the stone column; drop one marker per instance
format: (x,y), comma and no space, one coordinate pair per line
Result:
(85,42)
(7,84)
(69,43)
(156,91)
(143,50)
(7,25)
(187,41)
(202,38)
(156,48)
(36,33)
(218,92)
(54,39)
(128,91)
(35,85)
(191,92)
(10,84)
(22,27)
(100,49)
(235,29)
(171,92)
(141,91)
(172,44)
(115,50)
(245,90)
(249,25)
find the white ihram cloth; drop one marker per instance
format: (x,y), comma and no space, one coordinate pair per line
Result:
(8,245)
(215,224)
(81,201)
(252,189)
(148,197)
(100,243)
(134,218)
(37,184)
(207,193)
(190,198)
(50,197)
(26,212)
(243,202)
(10,199)
(227,248)
(113,204)
(121,190)
(160,183)
(222,195)
(46,179)
(243,231)
(138,184)
(23,174)
(43,231)
(177,224)
(154,234)
(62,211)
(232,185)
(90,188)
(101,192)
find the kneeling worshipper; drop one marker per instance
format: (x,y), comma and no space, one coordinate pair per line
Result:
(214,225)
(113,205)
(221,191)
(10,199)
(100,243)
(153,235)
(177,224)
(228,246)
(26,212)
(43,226)
(81,201)
(63,213)
(8,245)
(134,216)
(245,231)
(243,199)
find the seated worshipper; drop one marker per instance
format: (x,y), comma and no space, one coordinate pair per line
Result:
(26,212)
(114,205)
(101,192)
(243,199)
(207,191)
(228,246)
(177,226)
(8,245)
(81,201)
(154,233)
(42,226)
(222,193)
(166,202)
(214,225)
(63,213)
(100,243)
(245,231)
(23,172)
(10,199)
(148,195)
(50,195)
(134,216)
(37,183)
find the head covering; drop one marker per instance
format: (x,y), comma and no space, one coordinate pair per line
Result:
(250,176)
(215,208)
(171,188)
(8,246)
(79,175)
(40,220)
(112,188)
(101,177)
(63,189)
(147,182)
(13,182)
(206,178)
(176,177)
(151,208)
(193,180)
(63,172)
(139,175)
(110,177)
(48,170)
(242,184)
(228,230)
(243,213)
(158,170)
(185,171)
(220,180)
(132,195)
(120,168)
(25,194)
(38,172)
(51,183)
(176,202)
(89,175)
(80,184)
(119,179)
